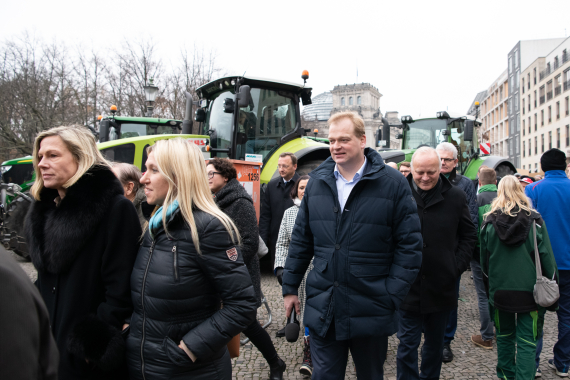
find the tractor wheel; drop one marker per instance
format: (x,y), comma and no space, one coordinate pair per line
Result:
(503,170)
(14,226)
(308,166)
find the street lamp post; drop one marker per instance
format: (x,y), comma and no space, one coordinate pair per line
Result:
(150,92)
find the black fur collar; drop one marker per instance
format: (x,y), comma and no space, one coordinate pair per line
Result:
(56,235)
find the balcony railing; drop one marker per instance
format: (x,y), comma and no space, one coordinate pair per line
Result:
(557,90)
(542,99)
(544,73)
(565,58)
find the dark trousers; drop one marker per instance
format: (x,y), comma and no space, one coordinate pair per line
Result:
(330,356)
(562,347)
(410,335)
(261,339)
(452,319)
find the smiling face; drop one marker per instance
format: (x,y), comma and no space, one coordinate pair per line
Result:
(346,149)
(155,184)
(56,163)
(426,171)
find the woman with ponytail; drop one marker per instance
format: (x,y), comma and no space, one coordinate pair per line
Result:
(186,269)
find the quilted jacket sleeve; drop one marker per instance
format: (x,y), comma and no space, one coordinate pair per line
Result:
(406,232)
(232,282)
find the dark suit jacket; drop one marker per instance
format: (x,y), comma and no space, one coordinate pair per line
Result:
(27,347)
(275,201)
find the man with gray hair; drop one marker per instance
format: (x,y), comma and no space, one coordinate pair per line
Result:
(448,239)
(448,156)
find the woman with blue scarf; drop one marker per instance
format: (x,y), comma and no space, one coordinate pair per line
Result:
(186,268)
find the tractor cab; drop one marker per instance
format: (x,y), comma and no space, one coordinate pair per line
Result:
(250,116)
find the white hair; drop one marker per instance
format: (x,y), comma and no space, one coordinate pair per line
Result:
(423,151)
(448,147)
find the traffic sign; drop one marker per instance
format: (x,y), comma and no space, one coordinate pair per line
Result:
(485,148)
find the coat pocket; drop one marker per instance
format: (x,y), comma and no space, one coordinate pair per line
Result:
(176,355)
(320,264)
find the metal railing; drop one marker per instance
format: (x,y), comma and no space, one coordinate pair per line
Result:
(565,58)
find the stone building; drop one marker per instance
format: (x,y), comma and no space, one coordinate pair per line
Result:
(362,98)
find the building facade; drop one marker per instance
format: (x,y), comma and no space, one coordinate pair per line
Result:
(545,106)
(494,116)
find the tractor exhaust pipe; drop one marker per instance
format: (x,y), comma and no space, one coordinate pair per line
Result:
(187,122)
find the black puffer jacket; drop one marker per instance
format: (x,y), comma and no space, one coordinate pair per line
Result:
(177,294)
(234,200)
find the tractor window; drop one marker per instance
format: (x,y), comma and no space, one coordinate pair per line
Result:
(426,132)
(136,130)
(463,147)
(120,153)
(18,173)
(263,123)
(220,123)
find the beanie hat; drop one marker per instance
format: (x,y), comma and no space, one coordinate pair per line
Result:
(553,159)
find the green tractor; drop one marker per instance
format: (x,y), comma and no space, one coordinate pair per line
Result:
(460,130)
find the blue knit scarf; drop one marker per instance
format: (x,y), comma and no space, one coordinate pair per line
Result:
(156,219)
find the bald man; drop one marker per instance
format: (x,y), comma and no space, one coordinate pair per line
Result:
(393,165)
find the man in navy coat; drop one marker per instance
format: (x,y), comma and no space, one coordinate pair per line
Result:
(358,222)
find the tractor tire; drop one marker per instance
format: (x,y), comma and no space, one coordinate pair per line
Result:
(14,226)
(306,167)
(503,170)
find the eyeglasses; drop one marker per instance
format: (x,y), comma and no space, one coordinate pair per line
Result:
(211,174)
(448,160)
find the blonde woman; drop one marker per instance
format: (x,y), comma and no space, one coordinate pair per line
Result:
(507,261)
(186,268)
(83,236)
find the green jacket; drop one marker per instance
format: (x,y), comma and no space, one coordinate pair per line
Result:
(485,197)
(507,260)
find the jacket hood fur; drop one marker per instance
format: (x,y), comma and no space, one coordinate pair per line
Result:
(57,234)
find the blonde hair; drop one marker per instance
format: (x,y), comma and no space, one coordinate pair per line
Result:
(353,117)
(182,165)
(510,196)
(83,147)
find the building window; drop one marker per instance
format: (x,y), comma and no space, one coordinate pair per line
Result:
(350,101)
(566,80)
(550,140)
(536,167)
(523,108)
(535,123)
(535,145)
(342,101)
(555,62)
(541,118)
(516,60)
(528,81)
(567,101)
(558,85)
(358,100)
(534,98)
(534,76)
(542,143)
(567,135)
(524,167)
(550,114)
(558,138)
(517,145)
(557,110)
(529,125)
(529,148)
(524,149)
(523,85)
(529,103)
(524,128)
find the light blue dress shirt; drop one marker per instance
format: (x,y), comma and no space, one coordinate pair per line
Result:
(344,187)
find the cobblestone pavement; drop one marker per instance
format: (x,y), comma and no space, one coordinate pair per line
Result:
(471,362)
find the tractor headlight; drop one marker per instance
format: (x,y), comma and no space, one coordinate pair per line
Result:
(6,168)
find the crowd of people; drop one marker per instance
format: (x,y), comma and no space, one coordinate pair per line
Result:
(153,275)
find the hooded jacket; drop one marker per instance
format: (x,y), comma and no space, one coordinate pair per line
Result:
(234,200)
(177,294)
(84,250)
(365,257)
(508,259)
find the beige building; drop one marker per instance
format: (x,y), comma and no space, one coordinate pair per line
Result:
(545,106)
(494,116)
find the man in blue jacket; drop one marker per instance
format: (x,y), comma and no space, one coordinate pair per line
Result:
(551,198)
(359,222)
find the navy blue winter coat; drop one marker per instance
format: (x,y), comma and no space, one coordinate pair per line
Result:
(365,258)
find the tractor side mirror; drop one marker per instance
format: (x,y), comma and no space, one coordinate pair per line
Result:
(200,115)
(399,136)
(445,132)
(468,133)
(244,96)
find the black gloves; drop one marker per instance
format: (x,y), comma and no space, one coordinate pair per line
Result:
(279,274)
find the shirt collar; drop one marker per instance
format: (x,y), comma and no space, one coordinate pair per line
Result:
(358,174)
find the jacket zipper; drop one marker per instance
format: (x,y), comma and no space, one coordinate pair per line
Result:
(142,305)
(175,263)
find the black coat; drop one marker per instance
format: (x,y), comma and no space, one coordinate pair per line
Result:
(177,294)
(84,251)
(275,200)
(449,237)
(27,348)
(365,258)
(234,200)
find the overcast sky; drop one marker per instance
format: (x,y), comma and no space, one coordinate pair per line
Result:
(423,56)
